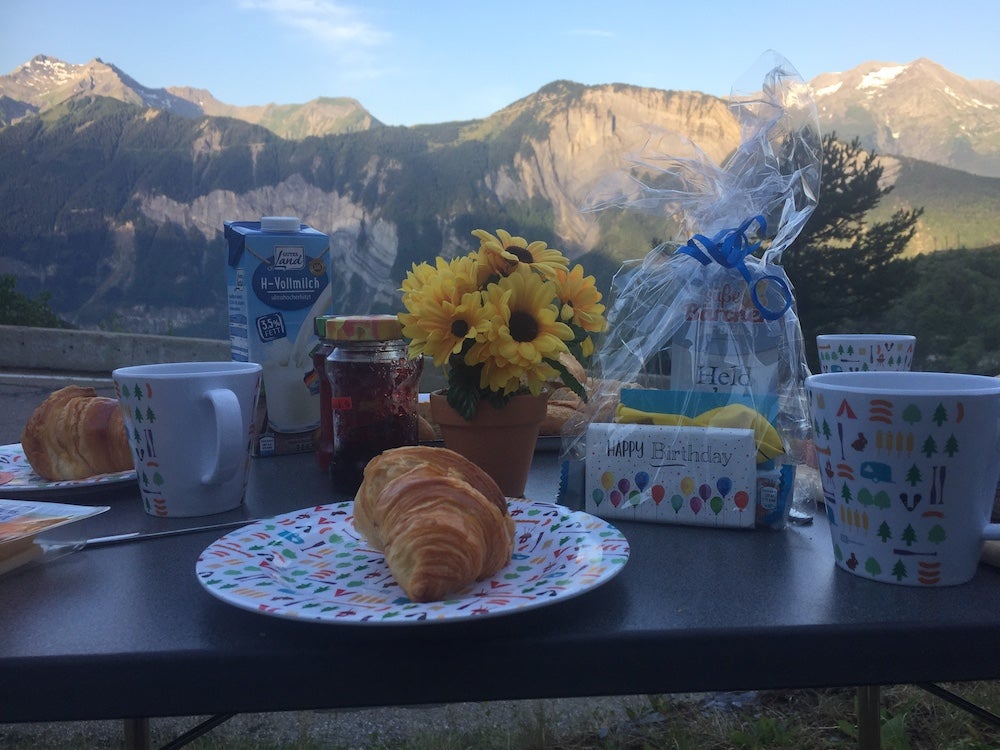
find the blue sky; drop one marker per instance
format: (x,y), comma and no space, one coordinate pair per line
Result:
(422,61)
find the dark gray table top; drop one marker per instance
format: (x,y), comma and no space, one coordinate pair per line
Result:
(127,631)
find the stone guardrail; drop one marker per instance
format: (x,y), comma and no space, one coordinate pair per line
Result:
(98,352)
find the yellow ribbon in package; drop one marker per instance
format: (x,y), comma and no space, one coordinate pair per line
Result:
(766,438)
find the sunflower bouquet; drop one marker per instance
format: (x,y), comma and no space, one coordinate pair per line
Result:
(501,320)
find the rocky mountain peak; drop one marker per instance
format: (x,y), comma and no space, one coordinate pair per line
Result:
(45,81)
(920,110)
(42,72)
(580,136)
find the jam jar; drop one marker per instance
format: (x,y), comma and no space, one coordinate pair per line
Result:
(324,433)
(374,387)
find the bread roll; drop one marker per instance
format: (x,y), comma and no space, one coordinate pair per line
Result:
(75,434)
(441,520)
(556,414)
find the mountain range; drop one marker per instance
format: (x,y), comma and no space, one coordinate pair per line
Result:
(44,82)
(115,193)
(919,110)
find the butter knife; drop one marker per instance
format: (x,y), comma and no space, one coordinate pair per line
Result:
(137,536)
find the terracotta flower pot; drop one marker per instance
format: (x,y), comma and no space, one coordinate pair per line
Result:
(500,441)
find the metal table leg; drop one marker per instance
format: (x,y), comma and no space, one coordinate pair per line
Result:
(956,700)
(869,718)
(192,734)
(136,734)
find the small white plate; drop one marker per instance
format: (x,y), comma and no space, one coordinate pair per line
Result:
(311,564)
(23,479)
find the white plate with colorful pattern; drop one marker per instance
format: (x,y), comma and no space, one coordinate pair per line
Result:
(312,565)
(17,476)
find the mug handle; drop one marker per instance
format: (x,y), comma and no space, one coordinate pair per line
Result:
(992,530)
(229,438)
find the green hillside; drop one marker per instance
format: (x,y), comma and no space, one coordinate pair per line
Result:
(961,209)
(952,310)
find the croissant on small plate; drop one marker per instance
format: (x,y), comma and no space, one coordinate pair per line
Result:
(75,434)
(441,521)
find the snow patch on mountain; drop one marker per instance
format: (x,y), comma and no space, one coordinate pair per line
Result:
(879,79)
(828,90)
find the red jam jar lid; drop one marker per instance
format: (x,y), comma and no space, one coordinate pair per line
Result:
(363,328)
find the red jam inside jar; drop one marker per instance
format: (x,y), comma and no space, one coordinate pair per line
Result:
(324,433)
(374,388)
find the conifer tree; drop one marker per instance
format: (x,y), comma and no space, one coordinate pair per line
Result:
(884,532)
(846,270)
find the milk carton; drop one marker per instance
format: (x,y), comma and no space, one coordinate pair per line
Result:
(277,281)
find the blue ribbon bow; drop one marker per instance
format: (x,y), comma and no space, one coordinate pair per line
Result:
(729,248)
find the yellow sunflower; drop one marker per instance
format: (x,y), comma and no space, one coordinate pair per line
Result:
(497,320)
(444,308)
(581,302)
(444,280)
(502,254)
(525,331)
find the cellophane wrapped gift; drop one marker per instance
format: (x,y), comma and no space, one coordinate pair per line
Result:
(697,412)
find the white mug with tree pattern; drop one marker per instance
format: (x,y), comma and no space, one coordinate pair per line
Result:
(190,426)
(861,352)
(909,463)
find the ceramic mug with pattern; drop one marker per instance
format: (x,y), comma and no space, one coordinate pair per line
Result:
(909,463)
(190,426)
(861,352)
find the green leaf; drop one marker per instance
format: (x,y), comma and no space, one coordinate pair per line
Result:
(463,399)
(499,400)
(567,377)
(463,388)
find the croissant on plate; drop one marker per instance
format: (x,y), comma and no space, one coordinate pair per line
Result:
(441,521)
(75,434)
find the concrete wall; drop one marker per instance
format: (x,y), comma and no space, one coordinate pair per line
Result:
(51,349)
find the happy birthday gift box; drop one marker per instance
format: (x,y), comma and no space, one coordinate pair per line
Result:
(705,476)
